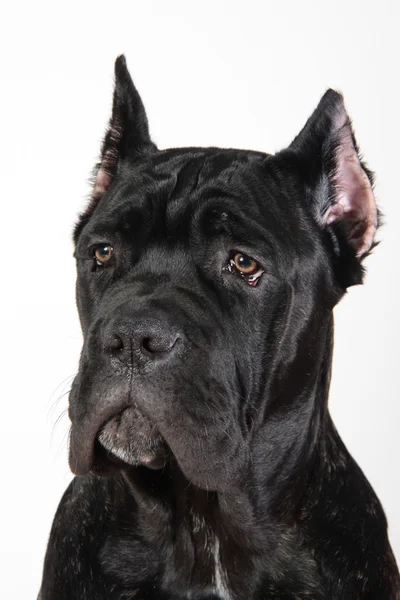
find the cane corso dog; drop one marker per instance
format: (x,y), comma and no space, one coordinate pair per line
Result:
(208,466)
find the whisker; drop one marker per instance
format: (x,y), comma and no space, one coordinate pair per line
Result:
(64,442)
(60,417)
(66,382)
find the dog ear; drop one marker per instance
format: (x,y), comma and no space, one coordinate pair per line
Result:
(340,183)
(127,136)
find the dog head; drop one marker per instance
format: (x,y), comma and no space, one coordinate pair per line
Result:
(205,280)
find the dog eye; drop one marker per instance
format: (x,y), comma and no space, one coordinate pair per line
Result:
(246,267)
(244,264)
(102,254)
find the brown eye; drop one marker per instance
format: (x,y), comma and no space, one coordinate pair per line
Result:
(246,267)
(245,264)
(103,254)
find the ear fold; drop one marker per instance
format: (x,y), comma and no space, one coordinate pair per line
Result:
(342,185)
(127,136)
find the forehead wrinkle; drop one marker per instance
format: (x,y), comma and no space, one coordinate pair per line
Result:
(201,175)
(178,184)
(186,183)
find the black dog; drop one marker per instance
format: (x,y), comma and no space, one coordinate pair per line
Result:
(209,465)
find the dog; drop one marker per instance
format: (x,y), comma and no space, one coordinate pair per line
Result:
(207,463)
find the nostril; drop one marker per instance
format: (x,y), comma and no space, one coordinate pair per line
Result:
(115,344)
(146,344)
(154,345)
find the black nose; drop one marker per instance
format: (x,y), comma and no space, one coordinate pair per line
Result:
(149,337)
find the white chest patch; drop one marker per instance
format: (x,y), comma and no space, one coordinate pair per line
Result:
(218,583)
(219,574)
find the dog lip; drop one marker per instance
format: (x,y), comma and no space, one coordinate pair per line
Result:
(81,452)
(154,462)
(83,436)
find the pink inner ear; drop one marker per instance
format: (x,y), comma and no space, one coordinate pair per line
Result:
(108,165)
(354,198)
(103,180)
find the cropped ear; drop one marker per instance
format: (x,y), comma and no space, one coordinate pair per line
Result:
(127,136)
(341,185)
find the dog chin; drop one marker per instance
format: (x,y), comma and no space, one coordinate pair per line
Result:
(129,439)
(150,455)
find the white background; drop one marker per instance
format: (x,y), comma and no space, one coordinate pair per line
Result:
(244,74)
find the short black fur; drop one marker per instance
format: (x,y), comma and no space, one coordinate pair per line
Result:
(208,464)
